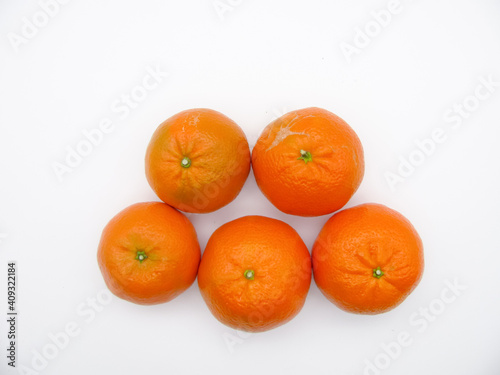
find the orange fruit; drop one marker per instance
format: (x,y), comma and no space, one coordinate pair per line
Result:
(255,273)
(367,259)
(308,162)
(148,253)
(198,160)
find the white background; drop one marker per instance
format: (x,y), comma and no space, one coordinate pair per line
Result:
(254,62)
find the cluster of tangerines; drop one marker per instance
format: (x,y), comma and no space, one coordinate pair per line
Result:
(255,271)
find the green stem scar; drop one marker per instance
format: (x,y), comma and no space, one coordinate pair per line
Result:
(377,272)
(306,156)
(185,162)
(249,274)
(141,256)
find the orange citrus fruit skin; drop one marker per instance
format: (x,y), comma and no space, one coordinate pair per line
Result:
(282,273)
(218,154)
(168,240)
(314,187)
(350,248)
